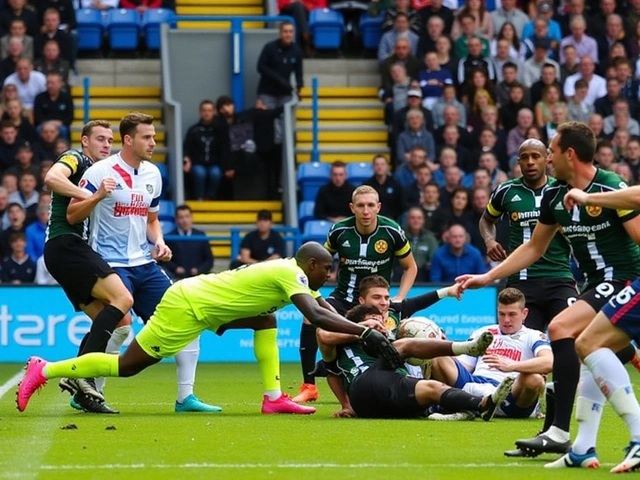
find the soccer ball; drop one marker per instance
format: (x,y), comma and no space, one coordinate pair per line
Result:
(420,327)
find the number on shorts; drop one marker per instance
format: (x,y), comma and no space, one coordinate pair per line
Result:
(571,301)
(605,289)
(625,295)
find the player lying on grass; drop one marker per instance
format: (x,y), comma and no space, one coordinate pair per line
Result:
(371,389)
(516,351)
(246,297)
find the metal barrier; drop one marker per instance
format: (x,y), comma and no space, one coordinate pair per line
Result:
(86,85)
(289,183)
(315,154)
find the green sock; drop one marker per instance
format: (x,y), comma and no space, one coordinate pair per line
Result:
(265,348)
(90,365)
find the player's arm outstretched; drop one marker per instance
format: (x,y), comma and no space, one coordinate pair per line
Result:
(409,306)
(57,179)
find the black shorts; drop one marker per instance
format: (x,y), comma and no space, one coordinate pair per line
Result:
(545,298)
(341,305)
(598,296)
(75,266)
(380,392)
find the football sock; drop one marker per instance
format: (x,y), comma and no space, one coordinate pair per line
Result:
(455,400)
(186,365)
(566,372)
(308,352)
(613,379)
(550,402)
(589,408)
(265,349)
(87,366)
(118,337)
(101,328)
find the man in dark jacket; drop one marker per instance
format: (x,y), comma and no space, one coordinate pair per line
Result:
(54,104)
(333,199)
(190,257)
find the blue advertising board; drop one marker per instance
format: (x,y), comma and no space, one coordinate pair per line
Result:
(40,321)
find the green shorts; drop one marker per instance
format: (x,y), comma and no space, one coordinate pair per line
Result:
(172,326)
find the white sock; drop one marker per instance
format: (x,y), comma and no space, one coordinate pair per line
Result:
(273,394)
(589,408)
(614,381)
(186,364)
(118,337)
(557,434)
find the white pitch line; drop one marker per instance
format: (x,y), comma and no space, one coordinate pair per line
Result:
(11,383)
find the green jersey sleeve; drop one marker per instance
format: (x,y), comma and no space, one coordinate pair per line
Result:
(495,207)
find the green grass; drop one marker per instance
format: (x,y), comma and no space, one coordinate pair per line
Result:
(152,442)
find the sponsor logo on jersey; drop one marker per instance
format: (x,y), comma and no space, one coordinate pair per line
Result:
(346,243)
(302,280)
(593,210)
(83,183)
(559,206)
(390,323)
(137,207)
(531,215)
(381,246)
(516,198)
(149,188)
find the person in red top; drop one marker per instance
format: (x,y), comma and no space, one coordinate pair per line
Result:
(140,5)
(299,10)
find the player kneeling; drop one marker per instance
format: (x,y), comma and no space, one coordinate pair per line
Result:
(370,389)
(516,352)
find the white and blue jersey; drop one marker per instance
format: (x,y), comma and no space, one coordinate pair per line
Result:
(118,224)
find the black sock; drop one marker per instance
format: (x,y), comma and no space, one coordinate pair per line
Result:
(566,373)
(308,352)
(83,344)
(101,329)
(626,354)
(550,401)
(455,400)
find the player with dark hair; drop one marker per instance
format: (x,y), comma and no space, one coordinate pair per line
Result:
(604,243)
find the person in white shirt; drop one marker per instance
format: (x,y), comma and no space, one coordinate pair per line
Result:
(585,45)
(28,82)
(516,351)
(597,84)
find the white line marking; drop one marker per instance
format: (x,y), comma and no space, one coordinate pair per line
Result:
(11,383)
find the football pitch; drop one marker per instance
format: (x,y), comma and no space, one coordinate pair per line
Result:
(149,441)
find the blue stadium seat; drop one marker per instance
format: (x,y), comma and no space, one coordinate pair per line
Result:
(312,176)
(371,31)
(167,210)
(316,231)
(357,173)
(305,212)
(167,226)
(90,28)
(326,27)
(123,27)
(151,21)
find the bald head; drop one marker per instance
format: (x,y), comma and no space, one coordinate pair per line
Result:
(533,144)
(312,250)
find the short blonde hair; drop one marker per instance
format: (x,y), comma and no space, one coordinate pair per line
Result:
(363,190)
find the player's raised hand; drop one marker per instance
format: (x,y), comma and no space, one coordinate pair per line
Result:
(164,252)
(455,291)
(495,251)
(381,347)
(473,281)
(107,186)
(574,197)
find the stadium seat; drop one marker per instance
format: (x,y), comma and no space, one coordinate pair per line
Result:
(357,173)
(167,210)
(316,231)
(165,177)
(312,176)
(90,28)
(167,226)
(123,27)
(151,21)
(305,212)
(326,27)
(371,31)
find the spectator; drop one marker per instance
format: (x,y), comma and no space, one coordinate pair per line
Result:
(18,267)
(16,9)
(461,46)
(24,157)
(604,157)
(388,188)
(597,20)
(333,199)
(35,233)
(8,144)
(489,162)
(140,5)
(633,157)
(401,6)
(502,56)
(447,60)
(43,277)
(413,191)
(299,10)
(632,15)
(479,202)
(423,242)
(596,124)
(474,61)
(62,145)
(396,98)
(402,54)
(45,147)
(17,216)
(4,213)
(51,31)
(532,68)
(204,147)
(630,86)
(54,105)
(435,8)
(481,100)
(572,9)
(432,80)
(416,158)
(516,135)
(579,109)
(621,118)
(51,62)
(43,170)
(614,35)
(451,117)
(452,179)
(540,36)
(570,65)
(451,139)
(507,78)
(14,112)
(585,45)
(416,134)
(18,30)
(414,101)
(400,30)
(545,11)
(483,24)
(448,158)
(190,258)
(548,77)
(620,140)
(604,105)
(261,244)
(28,82)
(429,40)
(509,13)
(9,63)
(10,182)
(456,257)
(27,196)
(551,96)
(624,171)
(448,100)
(597,84)
(430,204)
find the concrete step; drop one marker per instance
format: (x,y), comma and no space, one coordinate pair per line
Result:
(235,206)
(358,114)
(326,147)
(118,92)
(344,136)
(336,104)
(341,126)
(330,157)
(230,218)
(339,92)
